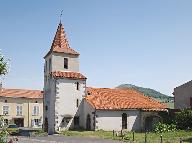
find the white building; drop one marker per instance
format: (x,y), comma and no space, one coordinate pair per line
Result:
(64,86)
(183,96)
(70,105)
(117,109)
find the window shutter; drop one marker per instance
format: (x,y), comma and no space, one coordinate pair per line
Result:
(32,122)
(37,110)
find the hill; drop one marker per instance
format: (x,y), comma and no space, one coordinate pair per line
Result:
(149,92)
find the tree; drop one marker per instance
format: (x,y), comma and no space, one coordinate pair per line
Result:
(3,65)
(3,131)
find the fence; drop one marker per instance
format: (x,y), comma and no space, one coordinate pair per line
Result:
(147,137)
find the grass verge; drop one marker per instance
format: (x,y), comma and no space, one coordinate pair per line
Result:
(169,137)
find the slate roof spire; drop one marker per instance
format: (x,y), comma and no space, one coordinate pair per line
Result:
(60,43)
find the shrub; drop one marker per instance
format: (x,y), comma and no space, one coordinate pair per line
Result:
(39,133)
(183,119)
(161,128)
(4,133)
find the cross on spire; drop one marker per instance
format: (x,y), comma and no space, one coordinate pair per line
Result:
(61,15)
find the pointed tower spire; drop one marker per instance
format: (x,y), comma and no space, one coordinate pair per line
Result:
(60,43)
(60,38)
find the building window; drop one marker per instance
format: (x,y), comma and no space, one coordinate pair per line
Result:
(5,101)
(6,121)
(49,64)
(77,85)
(36,102)
(45,66)
(49,80)
(36,110)
(36,122)
(76,121)
(77,103)
(19,110)
(45,79)
(65,63)
(66,120)
(5,110)
(46,108)
(191,102)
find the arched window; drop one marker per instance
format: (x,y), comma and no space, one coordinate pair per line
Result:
(88,122)
(124,121)
(76,121)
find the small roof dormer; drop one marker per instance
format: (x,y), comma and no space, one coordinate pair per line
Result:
(60,43)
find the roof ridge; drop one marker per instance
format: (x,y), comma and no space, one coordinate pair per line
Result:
(21,93)
(184,84)
(69,74)
(65,71)
(21,89)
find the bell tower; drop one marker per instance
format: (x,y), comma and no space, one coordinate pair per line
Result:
(64,85)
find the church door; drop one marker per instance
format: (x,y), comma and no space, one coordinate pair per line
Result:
(148,123)
(124,121)
(88,122)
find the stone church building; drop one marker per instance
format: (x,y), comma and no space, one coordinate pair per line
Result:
(70,104)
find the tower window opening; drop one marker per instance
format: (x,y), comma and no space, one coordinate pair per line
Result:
(65,63)
(77,85)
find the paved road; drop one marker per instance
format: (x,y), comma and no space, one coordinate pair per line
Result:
(63,139)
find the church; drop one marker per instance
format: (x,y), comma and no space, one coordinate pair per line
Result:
(70,104)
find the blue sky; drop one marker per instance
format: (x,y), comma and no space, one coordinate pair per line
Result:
(143,42)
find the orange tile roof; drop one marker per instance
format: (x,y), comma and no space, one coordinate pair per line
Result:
(114,99)
(60,43)
(21,93)
(73,75)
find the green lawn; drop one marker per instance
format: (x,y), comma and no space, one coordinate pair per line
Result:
(95,134)
(171,137)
